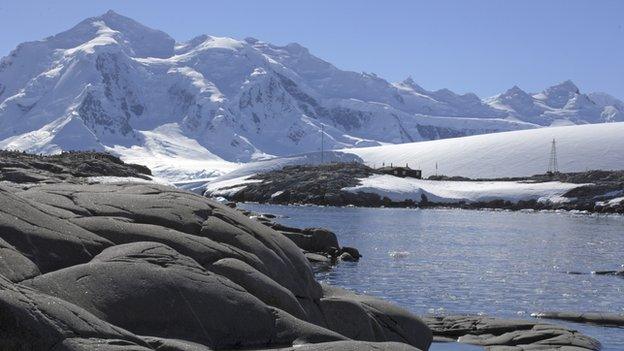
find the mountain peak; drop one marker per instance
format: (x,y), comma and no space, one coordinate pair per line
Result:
(558,95)
(117,21)
(514,91)
(296,49)
(111,13)
(409,81)
(565,86)
(144,41)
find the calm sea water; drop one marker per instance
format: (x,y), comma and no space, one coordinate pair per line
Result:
(505,264)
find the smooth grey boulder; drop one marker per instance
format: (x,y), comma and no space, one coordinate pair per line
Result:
(31,320)
(48,241)
(185,212)
(350,318)
(143,203)
(15,266)
(312,239)
(259,285)
(288,266)
(121,230)
(293,331)
(347,313)
(150,289)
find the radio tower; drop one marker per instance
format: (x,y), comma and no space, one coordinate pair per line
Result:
(322,144)
(553,167)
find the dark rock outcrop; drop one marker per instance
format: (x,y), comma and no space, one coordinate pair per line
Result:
(320,246)
(320,185)
(20,167)
(615,273)
(363,317)
(508,335)
(14,266)
(260,285)
(598,318)
(172,297)
(135,266)
(598,191)
(32,320)
(309,239)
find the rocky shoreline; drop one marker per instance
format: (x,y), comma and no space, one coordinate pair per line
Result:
(325,184)
(139,266)
(319,245)
(136,266)
(497,334)
(596,318)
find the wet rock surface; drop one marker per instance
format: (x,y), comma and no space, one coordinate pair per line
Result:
(598,318)
(139,266)
(319,245)
(508,335)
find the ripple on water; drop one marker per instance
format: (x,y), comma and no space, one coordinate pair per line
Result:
(460,261)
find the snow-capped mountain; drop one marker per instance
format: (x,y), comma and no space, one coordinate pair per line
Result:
(560,104)
(110,83)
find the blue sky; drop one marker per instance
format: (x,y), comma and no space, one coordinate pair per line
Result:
(483,46)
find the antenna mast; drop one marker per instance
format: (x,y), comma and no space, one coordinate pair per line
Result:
(553,166)
(322,143)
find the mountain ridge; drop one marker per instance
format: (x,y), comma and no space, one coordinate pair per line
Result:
(112,84)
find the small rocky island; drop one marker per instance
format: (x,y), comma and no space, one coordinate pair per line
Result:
(108,263)
(339,184)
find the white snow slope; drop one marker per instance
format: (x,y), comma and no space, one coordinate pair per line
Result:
(401,189)
(509,154)
(196,109)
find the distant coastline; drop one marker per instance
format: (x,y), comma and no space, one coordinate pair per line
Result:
(354,184)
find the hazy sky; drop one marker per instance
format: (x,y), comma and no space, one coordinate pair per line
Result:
(483,46)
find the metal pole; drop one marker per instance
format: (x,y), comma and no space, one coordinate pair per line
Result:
(322,143)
